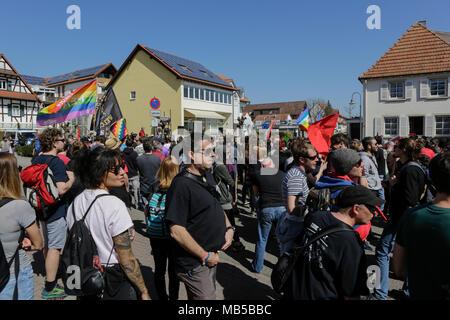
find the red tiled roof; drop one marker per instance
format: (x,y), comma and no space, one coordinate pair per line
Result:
(244,99)
(18,95)
(419,51)
(293,107)
(270,117)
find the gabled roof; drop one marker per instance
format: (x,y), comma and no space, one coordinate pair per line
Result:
(79,75)
(181,67)
(18,95)
(419,51)
(35,80)
(270,117)
(293,107)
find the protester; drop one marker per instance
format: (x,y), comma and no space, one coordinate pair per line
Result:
(157,149)
(54,229)
(268,188)
(130,157)
(63,154)
(371,172)
(16,216)
(139,146)
(423,241)
(335,267)
(407,188)
(109,223)
(161,248)
(148,165)
(380,155)
(142,133)
(197,222)
(99,141)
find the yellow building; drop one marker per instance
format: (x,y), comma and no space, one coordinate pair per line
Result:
(184,90)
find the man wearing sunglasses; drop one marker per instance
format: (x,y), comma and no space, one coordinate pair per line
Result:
(197,221)
(54,229)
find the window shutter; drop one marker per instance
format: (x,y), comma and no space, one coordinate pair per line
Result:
(10,110)
(424,88)
(378,130)
(403,126)
(429,132)
(408,89)
(384,91)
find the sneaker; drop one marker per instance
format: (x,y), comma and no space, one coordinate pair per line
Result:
(56,293)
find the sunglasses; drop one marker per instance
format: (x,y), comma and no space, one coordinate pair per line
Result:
(316,156)
(117,168)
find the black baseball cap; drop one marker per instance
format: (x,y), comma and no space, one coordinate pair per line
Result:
(358,195)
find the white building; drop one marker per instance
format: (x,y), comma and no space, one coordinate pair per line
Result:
(407,90)
(19,105)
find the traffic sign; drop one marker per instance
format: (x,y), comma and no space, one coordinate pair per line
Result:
(154,122)
(155,113)
(155,103)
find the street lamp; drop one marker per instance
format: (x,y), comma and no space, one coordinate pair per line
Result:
(352,102)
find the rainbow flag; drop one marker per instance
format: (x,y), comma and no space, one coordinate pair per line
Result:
(119,129)
(319,116)
(79,103)
(303,120)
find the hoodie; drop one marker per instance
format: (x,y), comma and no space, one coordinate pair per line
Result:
(130,158)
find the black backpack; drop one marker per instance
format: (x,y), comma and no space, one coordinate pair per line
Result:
(81,269)
(4,264)
(284,278)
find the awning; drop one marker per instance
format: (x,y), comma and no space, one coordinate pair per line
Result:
(204,114)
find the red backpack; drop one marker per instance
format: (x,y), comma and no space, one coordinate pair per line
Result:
(40,188)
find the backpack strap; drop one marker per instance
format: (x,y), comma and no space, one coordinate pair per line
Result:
(5,201)
(89,208)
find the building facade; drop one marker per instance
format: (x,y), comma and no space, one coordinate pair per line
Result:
(407,90)
(152,85)
(18,103)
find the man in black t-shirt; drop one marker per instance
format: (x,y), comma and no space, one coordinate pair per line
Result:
(197,222)
(335,267)
(268,188)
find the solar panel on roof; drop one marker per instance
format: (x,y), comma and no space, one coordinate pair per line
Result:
(76,74)
(197,70)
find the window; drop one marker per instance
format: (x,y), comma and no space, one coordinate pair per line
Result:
(442,125)
(217,96)
(15,110)
(202,94)
(391,126)
(229,98)
(191,92)
(133,95)
(437,88)
(2,84)
(208,94)
(396,90)
(220,97)
(186,91)
(196,93)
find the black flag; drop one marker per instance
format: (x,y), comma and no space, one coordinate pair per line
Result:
(107,113)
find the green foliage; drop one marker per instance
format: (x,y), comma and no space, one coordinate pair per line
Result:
(25,151)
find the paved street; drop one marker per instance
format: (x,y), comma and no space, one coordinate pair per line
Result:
(234,280)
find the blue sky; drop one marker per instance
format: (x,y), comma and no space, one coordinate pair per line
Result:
(277,50)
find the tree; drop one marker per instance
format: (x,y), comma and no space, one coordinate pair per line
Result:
(328,109)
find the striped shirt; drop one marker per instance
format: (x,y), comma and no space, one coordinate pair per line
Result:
(295,184)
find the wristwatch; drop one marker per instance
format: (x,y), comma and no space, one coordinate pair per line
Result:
(232,228)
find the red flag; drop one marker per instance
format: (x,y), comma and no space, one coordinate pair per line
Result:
(78,134)
(320,132)
(270,129)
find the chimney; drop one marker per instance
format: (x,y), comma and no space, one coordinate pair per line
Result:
(423,22)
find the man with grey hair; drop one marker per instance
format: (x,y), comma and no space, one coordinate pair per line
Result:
(157,149)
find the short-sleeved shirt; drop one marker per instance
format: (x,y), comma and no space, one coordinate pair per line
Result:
(269,187)
(192,206)
(295,184)
(15,215)
(424,232)
(107,218)
(335,266)
(59,172)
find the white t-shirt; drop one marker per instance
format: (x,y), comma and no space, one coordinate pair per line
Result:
(107,218)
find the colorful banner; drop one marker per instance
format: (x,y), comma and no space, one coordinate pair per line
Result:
(79,103)
(303,120)
(119,129)
(108,113)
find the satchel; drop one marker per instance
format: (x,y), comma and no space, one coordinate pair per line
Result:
(282,273)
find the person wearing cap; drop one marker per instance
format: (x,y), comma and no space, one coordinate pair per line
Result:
(335,267)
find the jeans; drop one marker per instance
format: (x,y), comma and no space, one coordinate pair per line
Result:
(380,194)
(266,217)
(161,250)
(25,287)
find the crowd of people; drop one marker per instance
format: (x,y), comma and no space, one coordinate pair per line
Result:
(191,202)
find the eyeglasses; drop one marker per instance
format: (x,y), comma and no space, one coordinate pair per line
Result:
(117,168)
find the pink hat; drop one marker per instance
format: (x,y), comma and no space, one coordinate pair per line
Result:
(427,152)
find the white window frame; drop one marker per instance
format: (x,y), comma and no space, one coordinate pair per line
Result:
(437,95)
(15,110)
(132,95)
(387,126)
(186,91)
(440,125)
(396,83)
(3,84)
